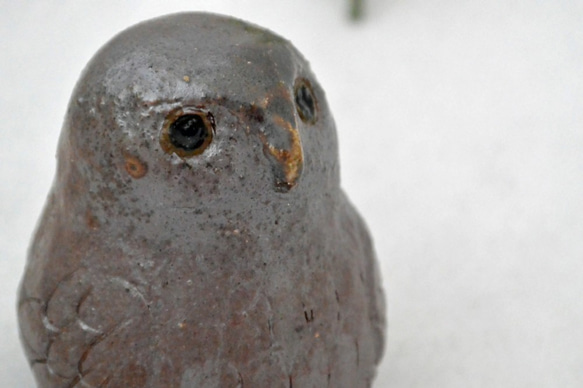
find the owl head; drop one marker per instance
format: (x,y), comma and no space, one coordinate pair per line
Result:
(196,109)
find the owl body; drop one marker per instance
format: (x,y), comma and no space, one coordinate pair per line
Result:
(196,234)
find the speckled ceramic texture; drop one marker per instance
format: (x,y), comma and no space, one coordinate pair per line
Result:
(242,266)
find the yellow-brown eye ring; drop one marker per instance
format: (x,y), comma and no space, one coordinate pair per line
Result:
(187,132)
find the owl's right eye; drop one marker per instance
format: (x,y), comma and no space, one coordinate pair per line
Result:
(187,132)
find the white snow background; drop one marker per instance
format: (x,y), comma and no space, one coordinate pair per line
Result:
(461,140)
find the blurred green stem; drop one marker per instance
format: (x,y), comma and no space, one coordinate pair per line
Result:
(356,9)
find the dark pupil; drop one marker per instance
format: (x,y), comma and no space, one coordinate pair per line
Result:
(305,102)
(188,132)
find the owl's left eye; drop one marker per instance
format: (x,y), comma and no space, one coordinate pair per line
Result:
(305,100)
(187,132)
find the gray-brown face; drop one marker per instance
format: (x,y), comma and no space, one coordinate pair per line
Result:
(200,107)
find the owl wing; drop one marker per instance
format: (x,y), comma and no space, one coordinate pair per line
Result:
(357,240)
(71,334)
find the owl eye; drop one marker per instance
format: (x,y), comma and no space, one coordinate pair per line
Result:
(305,100)
(187,132)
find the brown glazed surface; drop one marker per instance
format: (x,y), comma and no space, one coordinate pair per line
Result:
(240,265)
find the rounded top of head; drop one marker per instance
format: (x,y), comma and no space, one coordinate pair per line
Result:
(216,54)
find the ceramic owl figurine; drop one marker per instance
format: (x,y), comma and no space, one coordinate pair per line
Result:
(196,235)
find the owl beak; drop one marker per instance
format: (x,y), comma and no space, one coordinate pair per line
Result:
(283,147)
